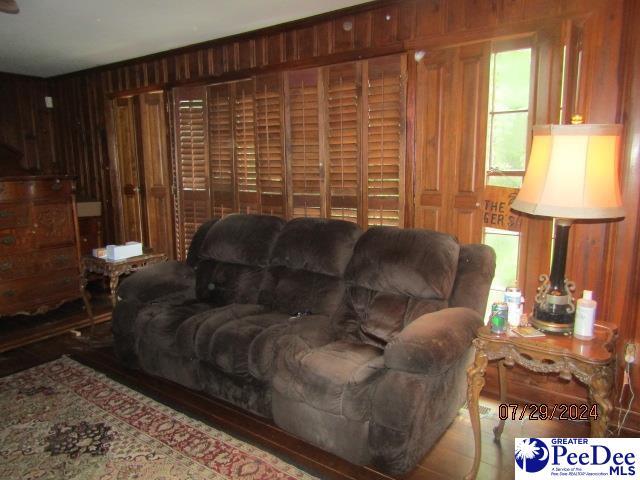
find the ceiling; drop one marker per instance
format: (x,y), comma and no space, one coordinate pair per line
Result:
(52,37)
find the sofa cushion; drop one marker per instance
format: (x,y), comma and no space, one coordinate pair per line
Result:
(336,378)
(221,283)
(300,291)
(409,262)
(307,265)
(157,323)
(233,256)
(396,276)
(229,345)
(315,245)
(193,336)
(241,239)
(297,334)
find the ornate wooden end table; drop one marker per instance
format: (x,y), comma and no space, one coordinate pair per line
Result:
(592,362)
(116,268)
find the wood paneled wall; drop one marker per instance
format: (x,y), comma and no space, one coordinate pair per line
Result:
(26,125)
(603,256)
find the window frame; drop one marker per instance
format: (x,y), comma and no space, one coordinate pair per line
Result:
(497,47)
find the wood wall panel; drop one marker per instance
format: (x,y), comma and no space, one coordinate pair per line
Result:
(344,34)
(363,29)
(430,19)
(324,33)
(471,82)
(624,290)
(306,43)
(127,191)
(385,24)
(450,145)
(81,146)
(432,97)
(156,167)
(26,125)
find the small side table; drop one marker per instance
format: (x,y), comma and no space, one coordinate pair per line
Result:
(115,268)
(591,362)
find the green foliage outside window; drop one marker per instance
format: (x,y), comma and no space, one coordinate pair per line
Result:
(508,110)
(507,129)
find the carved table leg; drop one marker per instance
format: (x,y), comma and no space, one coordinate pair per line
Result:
(475,382)
(85,300)
(502,380)
(600,395)
(113,287)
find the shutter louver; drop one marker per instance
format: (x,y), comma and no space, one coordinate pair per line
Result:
(245,148)
(343,88)
(304,144)
(192,155)
(385,140)
(269,143)
(221,150)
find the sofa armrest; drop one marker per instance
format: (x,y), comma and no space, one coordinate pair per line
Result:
(157,280)
(432,343)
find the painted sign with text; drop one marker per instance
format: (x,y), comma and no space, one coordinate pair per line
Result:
(497,208)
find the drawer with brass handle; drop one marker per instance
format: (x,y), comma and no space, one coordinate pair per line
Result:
(13,215)
(34,290)
(52,188)
(15,240)
(31,264)
(63,258)
(8,240)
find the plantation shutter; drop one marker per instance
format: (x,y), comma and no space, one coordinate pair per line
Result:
(303,149)
(221,169)
(342,101)
(270,143)
(385,110)
(245,148)
(192,162)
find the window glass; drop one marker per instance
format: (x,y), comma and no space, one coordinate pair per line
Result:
(507,131)
(511,74)
(509,141)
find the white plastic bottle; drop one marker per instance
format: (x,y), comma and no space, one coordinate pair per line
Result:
(585,316)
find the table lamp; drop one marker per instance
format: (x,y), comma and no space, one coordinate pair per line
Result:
(572,174)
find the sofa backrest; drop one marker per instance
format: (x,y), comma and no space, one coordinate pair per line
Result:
(307,265)
(233,256)
(396,275)
(193,254)
(476,267)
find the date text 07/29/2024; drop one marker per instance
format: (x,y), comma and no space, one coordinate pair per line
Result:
(559,411)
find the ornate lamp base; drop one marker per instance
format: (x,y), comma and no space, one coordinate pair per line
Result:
(551,322)
(554,310)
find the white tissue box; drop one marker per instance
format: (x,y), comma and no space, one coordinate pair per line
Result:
(120,252)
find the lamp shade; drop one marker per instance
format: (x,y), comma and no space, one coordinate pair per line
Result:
(572,173)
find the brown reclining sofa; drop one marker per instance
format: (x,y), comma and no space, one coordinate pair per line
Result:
(354,341)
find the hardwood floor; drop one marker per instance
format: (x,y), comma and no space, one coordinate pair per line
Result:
(450,458)
(19,330)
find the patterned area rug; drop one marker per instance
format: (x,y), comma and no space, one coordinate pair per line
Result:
(63,420)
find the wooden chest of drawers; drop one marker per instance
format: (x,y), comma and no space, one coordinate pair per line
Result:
(39,256)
